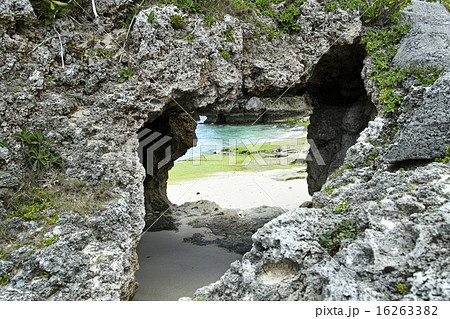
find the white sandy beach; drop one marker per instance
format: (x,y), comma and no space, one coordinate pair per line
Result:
(244,190)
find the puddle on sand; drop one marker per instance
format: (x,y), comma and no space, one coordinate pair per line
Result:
(170,268)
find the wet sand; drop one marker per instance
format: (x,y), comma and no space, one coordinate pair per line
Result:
(171,268)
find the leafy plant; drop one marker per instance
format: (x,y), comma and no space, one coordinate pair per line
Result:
(50,79)
(49,241)
(190,37)
(129,16)
(4,280)
(401,288)
(37,149)
(332,239)
(50,9)
(225,54)
(330,6)
(209,19)
(3,144)
(177,22)
(125,75)
(229,34)
(288,19)
(150,16)
(426,76)
(446,157)
(341,207)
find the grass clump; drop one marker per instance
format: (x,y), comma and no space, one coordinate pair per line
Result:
(332,239)
(150,16)
(446,157)
(4,280)
(228,34)
(225,54)
(48,242)
(209,20)
(177,22)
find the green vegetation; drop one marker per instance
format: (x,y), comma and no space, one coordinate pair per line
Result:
(177,22)
(401,288)
(240,158)
(294,121)
(4,280)
(47,10)
(209,20)
(37,150)
(190,37)
(332,239)
(331,6)
(340,208)
(150,16)
(130,16)
(50,79)
(125,75)
(3,144)
(446,157)
(225,54)
(229,34)
(382,44)
(47,242)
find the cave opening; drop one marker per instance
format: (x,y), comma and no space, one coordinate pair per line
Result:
(340,111)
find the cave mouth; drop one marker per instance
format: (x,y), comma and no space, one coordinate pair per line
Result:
(341,110)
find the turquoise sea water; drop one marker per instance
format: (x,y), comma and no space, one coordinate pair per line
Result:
(213,138)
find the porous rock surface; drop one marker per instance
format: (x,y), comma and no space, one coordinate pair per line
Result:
(92,119)
(390,186)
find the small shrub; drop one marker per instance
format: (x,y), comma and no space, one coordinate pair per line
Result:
(225,54)
(125,75)
(229,33)
(331,6)
(150,16)
(177,22)
(446,157)
(426,76)
(48,242)
(37,149)
(328,189)
(332,239)
(190,37)
(340,208)
(288,19)
(47,10)
(209,20)
(4,280)
(401,288)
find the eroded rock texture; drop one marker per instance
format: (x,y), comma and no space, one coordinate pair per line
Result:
(388,185)
(92,120)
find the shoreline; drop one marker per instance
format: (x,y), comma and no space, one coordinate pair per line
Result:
(284,188)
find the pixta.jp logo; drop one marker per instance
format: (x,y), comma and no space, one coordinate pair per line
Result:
(149,142)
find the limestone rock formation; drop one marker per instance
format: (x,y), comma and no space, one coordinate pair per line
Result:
(386,208)
(118,80)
